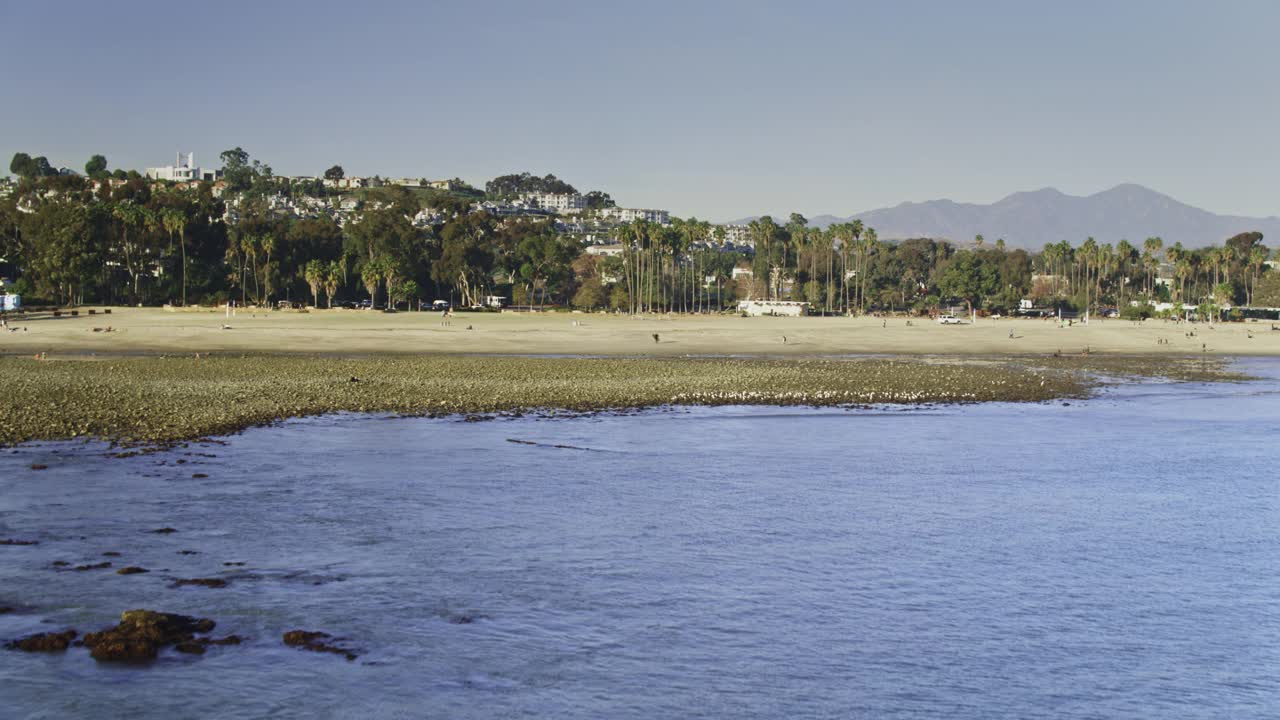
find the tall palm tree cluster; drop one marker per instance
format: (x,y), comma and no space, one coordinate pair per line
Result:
(1097,274)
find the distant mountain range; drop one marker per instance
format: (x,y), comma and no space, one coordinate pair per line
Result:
(1031,219)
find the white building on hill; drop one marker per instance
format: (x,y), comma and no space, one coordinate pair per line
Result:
(558,202)
(617,214)
(183,170)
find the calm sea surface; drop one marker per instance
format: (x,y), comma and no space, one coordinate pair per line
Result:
(1113,558)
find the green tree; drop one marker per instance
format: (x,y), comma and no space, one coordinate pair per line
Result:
(968,278)
(175,224)
(335,173)
(22,165)
(590,295)
(316,274)
(371,276)
(96,167)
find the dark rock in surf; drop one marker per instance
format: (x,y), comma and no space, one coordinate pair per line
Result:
(201,582)
(142,633)
(316,642)
(44,642)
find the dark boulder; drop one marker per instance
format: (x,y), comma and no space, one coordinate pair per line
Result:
(44,642)
(131,570)
(141,634)
(316,642)
(202,582)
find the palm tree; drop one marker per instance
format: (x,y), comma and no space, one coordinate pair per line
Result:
(175,223)
(1257,260)
(332,277)
(853,232)
(315,274)
(1150,257)
(865,249)
(1088,255)
(371,276)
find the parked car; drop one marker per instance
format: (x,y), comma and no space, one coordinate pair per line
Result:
(949,319)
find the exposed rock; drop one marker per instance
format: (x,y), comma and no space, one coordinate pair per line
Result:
(141,634)
(163,531)
(199,476)
(38,466)
(202,582)
(11,541)
(111,553)
(316,642)
(44,642)
(131,570)
(6,609)
(188,552)
(59,563)
(95,566)
(197,646)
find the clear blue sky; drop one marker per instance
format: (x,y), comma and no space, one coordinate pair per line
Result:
(714,109)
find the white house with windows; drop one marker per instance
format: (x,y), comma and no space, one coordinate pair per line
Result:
(183,170)
(557,202)
(622,215)
(738,235)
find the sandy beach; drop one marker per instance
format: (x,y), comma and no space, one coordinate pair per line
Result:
(356,332)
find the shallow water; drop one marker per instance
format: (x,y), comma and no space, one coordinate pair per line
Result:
(1110,558)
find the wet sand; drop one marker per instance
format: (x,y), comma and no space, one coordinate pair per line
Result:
(354,332)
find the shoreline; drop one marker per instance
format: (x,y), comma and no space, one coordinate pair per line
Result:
(157,400)
(344,333)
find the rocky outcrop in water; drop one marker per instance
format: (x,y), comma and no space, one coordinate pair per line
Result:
(198,645)
(316,642)
(142,633)
(44,642)
(201,582)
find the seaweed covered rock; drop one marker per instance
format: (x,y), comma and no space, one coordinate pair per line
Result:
(44,642)
(316,642)
(141,634)
(200,582)
(198,645)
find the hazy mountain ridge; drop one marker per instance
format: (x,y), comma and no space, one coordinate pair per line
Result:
(1031,219)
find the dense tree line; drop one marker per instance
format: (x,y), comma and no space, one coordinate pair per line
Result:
(114,237)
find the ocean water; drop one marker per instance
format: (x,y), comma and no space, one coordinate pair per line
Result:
(1112,558)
